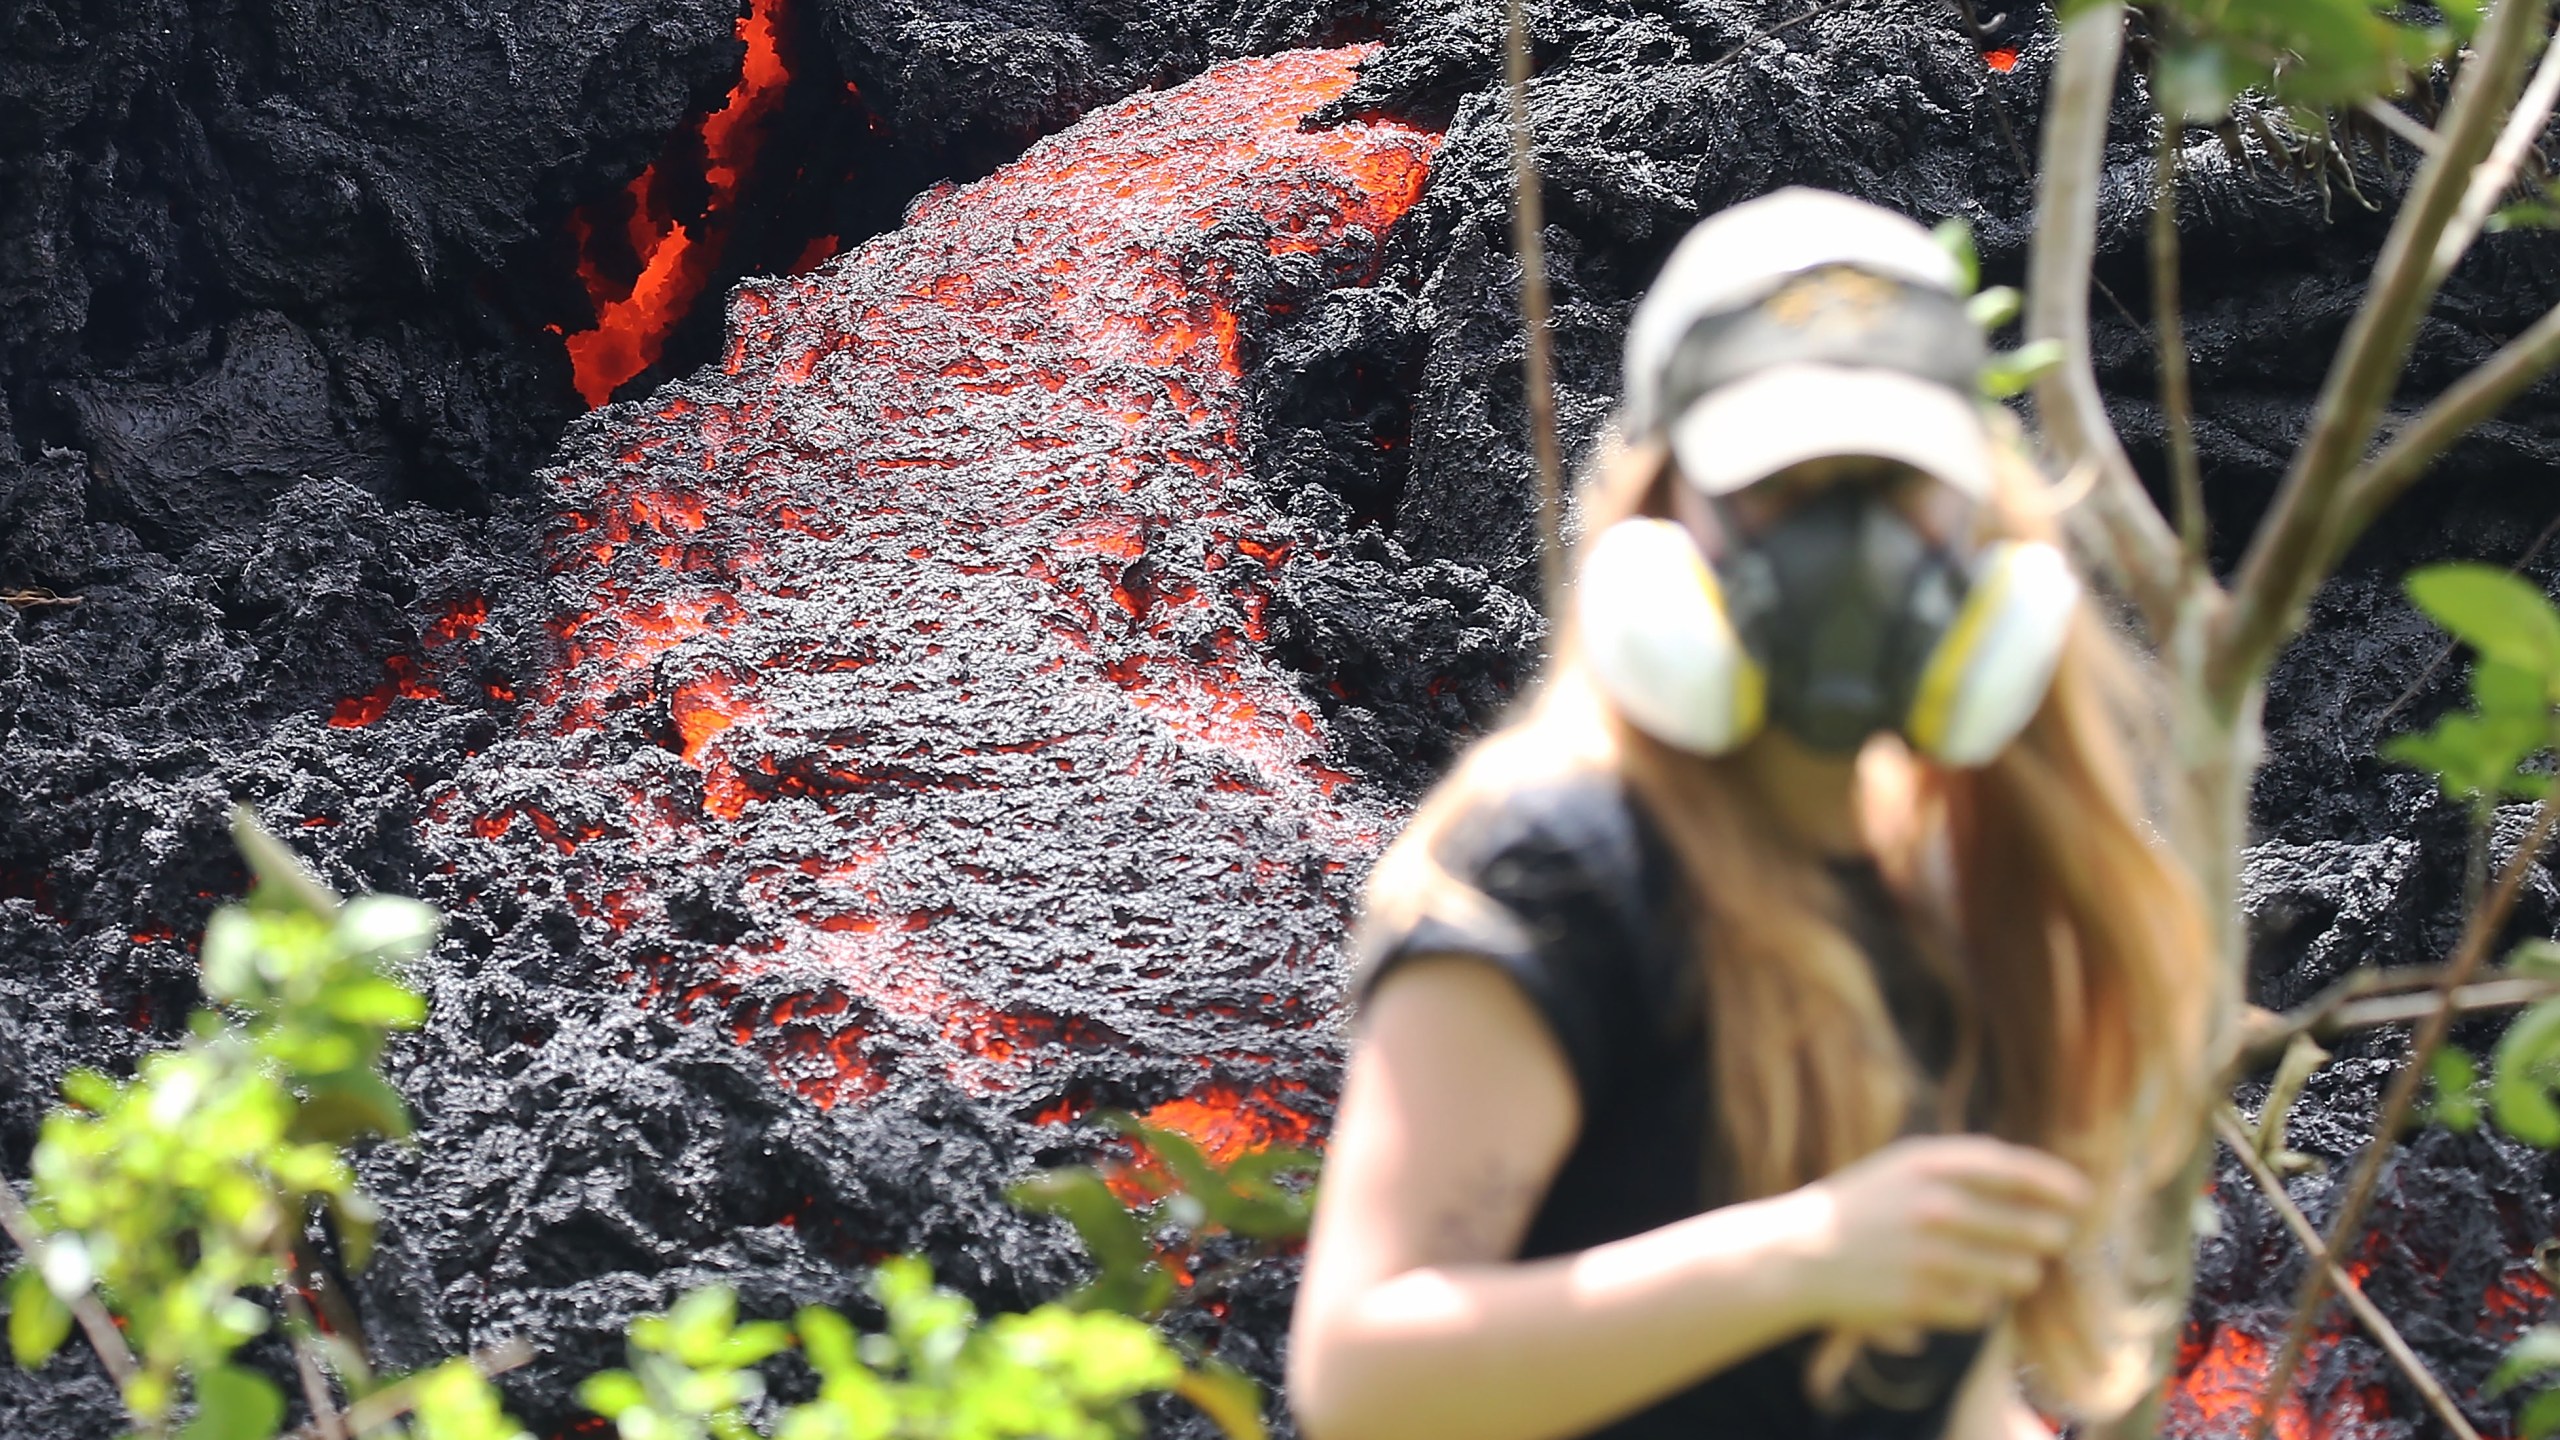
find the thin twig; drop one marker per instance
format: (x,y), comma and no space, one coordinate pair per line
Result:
(1771,33)
(37,599)
(2133,541)
(2482,927)
(325,1421)
(2474,398)
(2524,126)
(401,1396)
(86,1308)
(2283,563)
(2375,1323)
(2177,404)
(2445,651)
(2399,122)
(2323,1014)
(2465,1000)
(1528,241)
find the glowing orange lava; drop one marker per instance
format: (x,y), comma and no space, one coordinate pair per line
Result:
(2003,61)
(634,319)
(952,556)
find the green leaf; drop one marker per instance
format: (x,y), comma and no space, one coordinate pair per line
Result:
(454,1401)
(230,954)
(1227,1396)
(2539,958)
(2536,1352)
(38,1321)
(1080,1197)
(349,1105)
(610,1392)
(2524,1073)
(2502,616)
(2011,373)
(1955,236)
(284,882)
(2540,1417)
(2462,17)
(1994,308)
(388,926)
(234,1404)
(827,1338)
(2456,1077)
(375,1001)
(2193,84)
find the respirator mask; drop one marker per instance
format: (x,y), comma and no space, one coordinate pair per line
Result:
(1815,585)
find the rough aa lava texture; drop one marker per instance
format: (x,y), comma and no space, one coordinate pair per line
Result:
(785,927)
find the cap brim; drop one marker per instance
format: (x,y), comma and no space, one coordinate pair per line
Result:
(1784,416)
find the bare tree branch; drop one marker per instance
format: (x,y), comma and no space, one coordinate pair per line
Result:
(2177,405)
(325,1420)
(2375,1323)
(2130,539)
(2482,393)
(1529,243)
(2479,929)
(2264,1041)
(2282,566)
(2399,122)
(94,1320)
(2524,126)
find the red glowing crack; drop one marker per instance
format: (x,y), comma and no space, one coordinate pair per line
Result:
(676,257)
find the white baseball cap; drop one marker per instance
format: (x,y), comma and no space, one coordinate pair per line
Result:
(1807,325)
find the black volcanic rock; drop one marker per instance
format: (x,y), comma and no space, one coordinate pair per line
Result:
(274,389)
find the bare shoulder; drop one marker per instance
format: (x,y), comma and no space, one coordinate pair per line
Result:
(1458,1110)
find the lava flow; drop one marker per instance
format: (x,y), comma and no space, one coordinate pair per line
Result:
(913,717)
(636,310)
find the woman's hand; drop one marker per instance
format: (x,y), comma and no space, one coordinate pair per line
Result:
(1938,1233)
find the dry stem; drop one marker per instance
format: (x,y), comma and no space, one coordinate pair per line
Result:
(2375,1323)
(2483,925)
(1528,241)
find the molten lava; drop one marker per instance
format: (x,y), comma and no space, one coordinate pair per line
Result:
(922,642)
(675,254)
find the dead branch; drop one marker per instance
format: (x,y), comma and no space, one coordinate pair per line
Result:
(2371,998)
(1529,243)
(2479,929)
(2235,1137)
(94,1320)
(2130,538)
(2282,566)
(401,1396)
(37,599)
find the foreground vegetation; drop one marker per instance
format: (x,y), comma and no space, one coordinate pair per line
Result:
(179,1216)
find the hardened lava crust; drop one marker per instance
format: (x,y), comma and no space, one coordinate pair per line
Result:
(887,633)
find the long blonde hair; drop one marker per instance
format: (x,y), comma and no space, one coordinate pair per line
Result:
(2073,945)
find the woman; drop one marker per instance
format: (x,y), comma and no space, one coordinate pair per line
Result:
(1778,1029)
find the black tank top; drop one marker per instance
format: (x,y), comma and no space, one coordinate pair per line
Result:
(1579,900)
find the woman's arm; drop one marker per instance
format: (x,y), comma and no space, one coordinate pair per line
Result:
(1458,1110)
(1413,1324)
